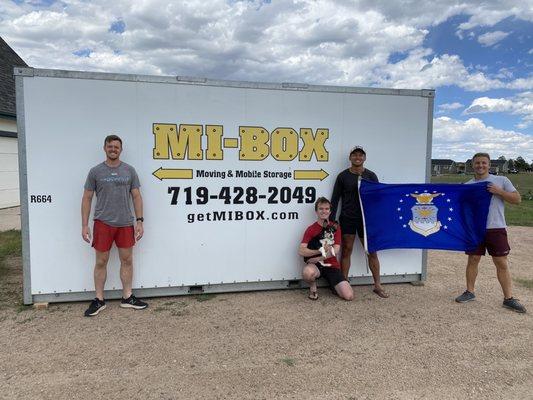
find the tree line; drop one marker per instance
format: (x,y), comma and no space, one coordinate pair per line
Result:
(518,163)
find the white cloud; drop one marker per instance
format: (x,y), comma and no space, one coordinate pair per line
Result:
(460,140)
(480,12)
(325,41)
(421,69)
(504,73)
(449,106)
(489,13)
(491,38)
(521,84)
(485,104)
(418,71)
(339,42)
(521,105)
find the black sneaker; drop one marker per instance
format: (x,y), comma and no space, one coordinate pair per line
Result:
(95,307)
(133,302)
(465,297)
(514,305)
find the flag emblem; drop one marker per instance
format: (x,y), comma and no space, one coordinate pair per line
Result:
(425,220)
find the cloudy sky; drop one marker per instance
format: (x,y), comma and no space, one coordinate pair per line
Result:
(477,54)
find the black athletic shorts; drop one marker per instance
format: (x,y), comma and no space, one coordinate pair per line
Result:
(333,276)
(352,226)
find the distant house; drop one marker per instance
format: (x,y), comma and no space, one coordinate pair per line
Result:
(9,175)
(460,167)
(496,167)
(499,166)
(443,166)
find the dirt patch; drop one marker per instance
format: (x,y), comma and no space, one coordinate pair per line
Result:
(418,344)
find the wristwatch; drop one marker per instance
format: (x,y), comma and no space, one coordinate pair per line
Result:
(140,219)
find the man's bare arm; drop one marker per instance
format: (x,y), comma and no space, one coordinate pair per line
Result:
(138,207)
(86,201)
(305,252)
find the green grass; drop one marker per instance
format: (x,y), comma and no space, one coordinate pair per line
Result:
(174,308)
(22,307)
(288,361)
(205,297)
(521,214)
(10,245)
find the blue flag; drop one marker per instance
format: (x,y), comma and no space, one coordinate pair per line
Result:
(424,216)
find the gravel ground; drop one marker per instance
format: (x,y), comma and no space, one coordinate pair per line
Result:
(418,344)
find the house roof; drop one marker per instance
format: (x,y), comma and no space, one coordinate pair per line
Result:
(441,161)
(497,163)
(8,60)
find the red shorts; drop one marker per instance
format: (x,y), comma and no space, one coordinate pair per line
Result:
(495,243)
(104,235)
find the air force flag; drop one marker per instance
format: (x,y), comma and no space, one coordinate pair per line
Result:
(424,216)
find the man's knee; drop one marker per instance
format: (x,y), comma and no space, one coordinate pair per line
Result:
(501,263)
(474,259)
(345,291)
(128,260)
(373,257)
(101,260)
(346,249)
(309,273)
(348,296)
(126,257)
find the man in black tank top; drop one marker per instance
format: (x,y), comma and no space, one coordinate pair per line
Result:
(351,219)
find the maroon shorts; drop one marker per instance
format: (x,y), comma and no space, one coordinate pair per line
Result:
(104,235)
(495,243)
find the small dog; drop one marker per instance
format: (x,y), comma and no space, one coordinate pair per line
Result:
(327,236)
